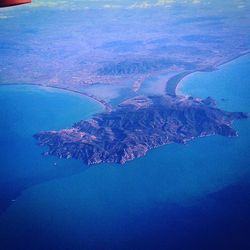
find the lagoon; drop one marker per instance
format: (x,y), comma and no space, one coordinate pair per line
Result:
(160,201)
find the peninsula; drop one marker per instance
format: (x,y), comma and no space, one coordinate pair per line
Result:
(138,125)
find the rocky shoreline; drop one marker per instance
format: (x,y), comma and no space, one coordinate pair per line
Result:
(138,125)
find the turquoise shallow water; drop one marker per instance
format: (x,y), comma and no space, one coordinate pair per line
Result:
(116,207)
(26,110)
(229,85)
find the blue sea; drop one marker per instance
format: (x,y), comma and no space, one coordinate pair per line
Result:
(192,197)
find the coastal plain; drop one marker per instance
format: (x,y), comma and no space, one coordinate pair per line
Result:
(87,83)
(144,52)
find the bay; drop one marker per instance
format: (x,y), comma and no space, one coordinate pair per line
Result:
(164,200)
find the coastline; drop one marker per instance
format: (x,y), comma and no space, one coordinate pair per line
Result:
(172,84)
(107,106)
(171,87)
(19,147)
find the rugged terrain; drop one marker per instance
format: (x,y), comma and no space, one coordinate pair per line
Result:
(138,125)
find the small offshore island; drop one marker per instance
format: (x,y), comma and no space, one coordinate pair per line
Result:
(138,125)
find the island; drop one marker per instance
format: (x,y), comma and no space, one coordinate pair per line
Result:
(137,125)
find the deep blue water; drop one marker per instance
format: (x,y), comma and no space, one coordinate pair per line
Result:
(195,196)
